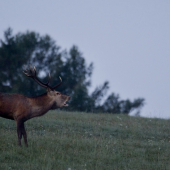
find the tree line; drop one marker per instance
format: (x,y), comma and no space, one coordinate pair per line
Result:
(30,48)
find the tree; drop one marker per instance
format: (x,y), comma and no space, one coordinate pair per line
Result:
(30,48)
(113,104)
(22,50)
(76,77)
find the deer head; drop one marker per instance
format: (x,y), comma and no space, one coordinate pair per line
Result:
(58,98)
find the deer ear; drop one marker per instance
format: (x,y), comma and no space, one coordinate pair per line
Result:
(48,90)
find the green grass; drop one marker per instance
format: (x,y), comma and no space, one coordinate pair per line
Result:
(81,141)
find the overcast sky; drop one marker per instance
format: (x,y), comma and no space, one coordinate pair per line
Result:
(128,41)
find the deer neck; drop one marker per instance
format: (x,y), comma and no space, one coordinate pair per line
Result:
(41,105)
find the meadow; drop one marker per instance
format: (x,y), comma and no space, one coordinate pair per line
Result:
(84,141)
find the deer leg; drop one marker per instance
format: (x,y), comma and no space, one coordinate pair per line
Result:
(24,134)
(19,131)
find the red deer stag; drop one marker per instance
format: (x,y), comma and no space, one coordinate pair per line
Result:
(21,108)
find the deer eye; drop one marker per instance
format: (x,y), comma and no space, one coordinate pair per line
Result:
(58,93)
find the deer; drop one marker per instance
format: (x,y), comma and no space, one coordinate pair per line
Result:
(21,108)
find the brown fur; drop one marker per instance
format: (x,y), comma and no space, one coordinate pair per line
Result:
(21,108)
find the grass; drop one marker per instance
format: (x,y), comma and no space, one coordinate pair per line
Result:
(83,141)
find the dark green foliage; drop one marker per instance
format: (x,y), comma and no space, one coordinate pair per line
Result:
(112,104)
(21,50)
(24,49)
(100,92)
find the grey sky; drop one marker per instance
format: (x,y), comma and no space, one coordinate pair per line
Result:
(128,41)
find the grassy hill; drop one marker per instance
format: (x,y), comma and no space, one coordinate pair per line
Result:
(81,141)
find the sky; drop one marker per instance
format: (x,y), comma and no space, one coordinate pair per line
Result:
(128,41)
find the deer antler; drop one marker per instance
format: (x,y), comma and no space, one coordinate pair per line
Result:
(31,72)
(57,84)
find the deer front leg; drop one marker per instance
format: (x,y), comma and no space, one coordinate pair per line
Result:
(19,131)
(24,134)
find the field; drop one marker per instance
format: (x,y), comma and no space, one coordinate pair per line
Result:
(82,141)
